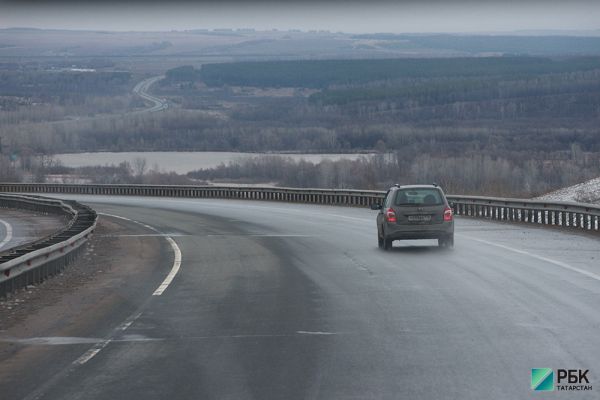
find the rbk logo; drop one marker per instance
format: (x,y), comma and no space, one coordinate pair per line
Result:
(542,379)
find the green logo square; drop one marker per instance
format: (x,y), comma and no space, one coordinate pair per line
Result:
(542,379)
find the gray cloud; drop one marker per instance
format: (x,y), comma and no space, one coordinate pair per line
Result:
(353,16)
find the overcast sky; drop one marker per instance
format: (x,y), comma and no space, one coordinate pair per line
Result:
(367,16)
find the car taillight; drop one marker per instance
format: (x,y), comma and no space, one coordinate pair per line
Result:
(390,215)
(447,214)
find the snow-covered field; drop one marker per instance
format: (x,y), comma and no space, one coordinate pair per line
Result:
(585,192)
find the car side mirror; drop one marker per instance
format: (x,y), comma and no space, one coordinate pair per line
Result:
(375,206)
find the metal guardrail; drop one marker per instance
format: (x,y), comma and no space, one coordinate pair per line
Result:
(33,262)
(296,195)
(557,213)
(563,214)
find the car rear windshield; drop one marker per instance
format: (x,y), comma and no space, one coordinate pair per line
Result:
(419,197)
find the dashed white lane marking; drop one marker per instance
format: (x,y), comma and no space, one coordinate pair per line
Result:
(176,262)
(315,333)
(538,257)
(88,355)
(9,233)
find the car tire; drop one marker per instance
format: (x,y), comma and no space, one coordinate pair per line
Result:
(446,241)
(450,241)
(379,241)
(387,244)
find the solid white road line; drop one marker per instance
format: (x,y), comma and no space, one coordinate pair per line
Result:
(174,270)
(541,258)
(9,233)
(176,262)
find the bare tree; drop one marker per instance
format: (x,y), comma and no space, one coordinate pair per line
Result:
(139,164)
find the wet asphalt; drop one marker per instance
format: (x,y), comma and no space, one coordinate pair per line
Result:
(289,301)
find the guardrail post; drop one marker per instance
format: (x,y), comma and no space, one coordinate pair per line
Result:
(544,220)
(561,218)
(586,222)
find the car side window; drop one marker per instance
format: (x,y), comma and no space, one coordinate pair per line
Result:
(388,199)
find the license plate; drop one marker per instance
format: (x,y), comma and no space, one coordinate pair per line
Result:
(419,218)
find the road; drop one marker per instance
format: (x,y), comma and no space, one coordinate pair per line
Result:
(287,301)
(19,227)
(142,88)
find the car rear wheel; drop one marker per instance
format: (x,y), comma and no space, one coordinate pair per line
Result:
(451,240)
(379,241)
(446,241)
(387,243)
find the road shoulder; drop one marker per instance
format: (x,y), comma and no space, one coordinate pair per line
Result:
(114,275)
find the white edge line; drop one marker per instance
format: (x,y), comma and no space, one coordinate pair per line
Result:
(546,259)
(91,353)
(9,233)
(176,262)
(174,270)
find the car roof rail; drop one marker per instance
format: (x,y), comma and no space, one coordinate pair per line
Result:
(435,184)
(396,185)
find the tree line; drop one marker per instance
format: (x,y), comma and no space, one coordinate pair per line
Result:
(324,73)
(475,174)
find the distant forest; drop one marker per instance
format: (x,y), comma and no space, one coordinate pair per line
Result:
(324,73)
(46,95)
(535,121)
(61,83)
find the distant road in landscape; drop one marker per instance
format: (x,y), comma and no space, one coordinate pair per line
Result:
(141,89)
(292,301)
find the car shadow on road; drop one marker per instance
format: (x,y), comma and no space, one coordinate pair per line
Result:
(416,249)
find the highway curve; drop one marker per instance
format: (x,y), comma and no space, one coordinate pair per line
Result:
(141,89)
(18,227)
(288,301)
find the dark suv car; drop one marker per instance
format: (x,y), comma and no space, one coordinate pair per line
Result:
(414,212)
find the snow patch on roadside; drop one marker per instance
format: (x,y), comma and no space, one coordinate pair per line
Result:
(585,192)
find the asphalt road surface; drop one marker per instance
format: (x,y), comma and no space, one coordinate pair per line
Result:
(19,227)
(287,301)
